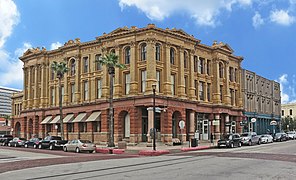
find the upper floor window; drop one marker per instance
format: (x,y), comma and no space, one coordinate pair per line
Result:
(52,94)
(85,64)
(72,67)
(157,52)
(221,70)
(185,60)
(235,75)
(85,90)
(127,55)
(172,56)
(201,91)
(158,81)
(143,80)
(208,67)
(72,92)
(52,74)
(221,93)
(283,112)
(99,88)
(186,84)
(63,92)
(195,63)
(231,74)
(173,82)
(201,64)
(113,51)
(143,52)
(98,64)
(209,92)
(127,83)
(291,113)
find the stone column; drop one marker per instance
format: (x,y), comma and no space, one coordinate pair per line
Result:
(192,95)
(36,86)
(46,95)
(216,82)
(29,89)
(151,66)
(117,76)
(66,90)
(133,70)
(42,86)
(150,123)
(25,97)
(217,126)
(181,81)
(227,99)
(77,81)
(227,128)
(192,124)
(167,72)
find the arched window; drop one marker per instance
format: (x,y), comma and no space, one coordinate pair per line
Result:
(221,70)
(127,55)
(72,67)
(127,126)
(143,52)
(185,60)
(113,51)
(157,52)
(172,56)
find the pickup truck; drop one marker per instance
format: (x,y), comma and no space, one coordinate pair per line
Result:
(250,138)
(52,142)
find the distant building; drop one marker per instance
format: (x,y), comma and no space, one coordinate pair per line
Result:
(5,108)
(262,103)
(289,110)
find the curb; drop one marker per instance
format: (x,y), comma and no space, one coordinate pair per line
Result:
(195,148)
(153,153)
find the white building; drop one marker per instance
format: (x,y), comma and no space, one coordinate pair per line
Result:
(5,100)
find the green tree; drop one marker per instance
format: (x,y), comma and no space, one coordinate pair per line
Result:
(60,69)
(111,61)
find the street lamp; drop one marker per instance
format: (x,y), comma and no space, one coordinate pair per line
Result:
(154,133)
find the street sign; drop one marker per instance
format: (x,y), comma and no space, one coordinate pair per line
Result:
(253,120)
(273,123)
(182,124)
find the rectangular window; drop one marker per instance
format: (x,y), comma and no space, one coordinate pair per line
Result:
(195,64)
(231,96)
(52,93)
(99,88)
(208,67)
(196,87)
(143,80)
(283,112)
(173,87)
(158,81)
(201,91)
(63,94)
(96,126)
(221,93)
(82,127)
(98,64)
(231,74)
(72,92)
(127,83)
(85,90)
(70,127)
(85,64)
(201,65)
(209,92)
(52,75)
(186,84)
(48,128)
(235,75)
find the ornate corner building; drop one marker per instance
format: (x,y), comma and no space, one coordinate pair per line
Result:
(196,83)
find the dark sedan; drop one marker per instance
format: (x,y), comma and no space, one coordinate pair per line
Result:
(280,137)
(33,142)
(230,140)
(17,142)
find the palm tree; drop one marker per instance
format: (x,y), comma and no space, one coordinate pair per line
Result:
(111,61)
(60,69)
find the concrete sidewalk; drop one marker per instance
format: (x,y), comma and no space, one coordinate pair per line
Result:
(143,149)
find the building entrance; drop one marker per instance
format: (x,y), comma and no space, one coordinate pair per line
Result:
(205,129)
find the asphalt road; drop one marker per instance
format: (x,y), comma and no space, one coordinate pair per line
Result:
(268,161)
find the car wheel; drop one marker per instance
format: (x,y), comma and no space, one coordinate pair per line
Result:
(65,149)
(40,146)
(77,150)
(91,151)
(51,147)
(259,142)
(34,146)
(231,145)
(239,144)
(26,145)
(250,143)
(15,145)
(9,144)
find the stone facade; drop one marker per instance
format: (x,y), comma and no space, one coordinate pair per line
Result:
(196,83)
(289,110)
(262,101)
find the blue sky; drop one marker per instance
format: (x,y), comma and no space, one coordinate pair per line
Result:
(262,31)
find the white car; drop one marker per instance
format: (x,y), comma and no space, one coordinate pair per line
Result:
(291,134)
(266,138)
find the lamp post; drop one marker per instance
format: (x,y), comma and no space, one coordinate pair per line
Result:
(154,130)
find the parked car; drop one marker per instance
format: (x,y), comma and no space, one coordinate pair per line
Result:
(78,145)
(230,140)
(250,138)
(4,139)
(17,142)
(52,142)
(266,138)
(280,137)
(33,142)
(291,135)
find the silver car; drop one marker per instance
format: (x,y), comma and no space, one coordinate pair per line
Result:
(78,146)
(250,138)
(291,135)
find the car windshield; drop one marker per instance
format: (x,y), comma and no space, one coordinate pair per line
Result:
(85,141)
(22,139)
(56,138)
(278,134)
(245,135)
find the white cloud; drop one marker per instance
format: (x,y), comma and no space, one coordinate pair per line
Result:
(257,20)
(203,12)
(283,81)
(282,17)
(9,17)
(55,45)
(20,51)
(288,93)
